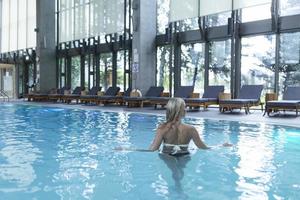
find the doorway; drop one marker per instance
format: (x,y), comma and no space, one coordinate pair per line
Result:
(7,80)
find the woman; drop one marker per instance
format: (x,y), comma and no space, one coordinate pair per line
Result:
(174,134)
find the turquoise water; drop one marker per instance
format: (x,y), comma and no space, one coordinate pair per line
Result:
(54,153)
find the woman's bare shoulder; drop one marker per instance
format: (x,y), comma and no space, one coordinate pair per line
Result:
(188,127)
(162,127)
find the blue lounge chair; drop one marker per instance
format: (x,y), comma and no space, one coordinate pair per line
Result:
(249,96)
(119,99)
(40,96)
(290,101)
(67,98)
(91,96)
(140,101)
(58,96)
(110,93)
(184,92)
(210,97)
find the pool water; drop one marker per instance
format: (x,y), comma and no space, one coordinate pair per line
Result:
(54,153)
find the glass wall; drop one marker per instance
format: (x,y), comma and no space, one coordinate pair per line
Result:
(75,72)
(258,61)
(18,25)
(218,19)
(163,67)
(192,66)
(7,80)
(289,68)
(62,72)
(89,71)
(163,11)
(21,80)
(261,12)
(220,63)
(120,71)
(80,19)
(289,7)
(258,50)
(105,70)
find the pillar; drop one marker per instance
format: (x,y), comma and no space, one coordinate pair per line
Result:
(143,44)
(46,46)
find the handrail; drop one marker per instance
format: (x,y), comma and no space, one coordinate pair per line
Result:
(3,94)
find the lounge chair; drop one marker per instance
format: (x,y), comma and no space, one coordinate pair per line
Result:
(140,101)
(182,92)
(110,93)
(40,96)
(290,101)
(60,92)
(91,96)
(67,98)
(210,97)
(119,98)
(249,96)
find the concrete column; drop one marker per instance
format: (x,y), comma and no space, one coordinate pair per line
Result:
(143,44)
(46,46)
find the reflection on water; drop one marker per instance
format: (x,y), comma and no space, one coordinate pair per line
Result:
(177,166)
(256,165)
(18,154)
(16,166)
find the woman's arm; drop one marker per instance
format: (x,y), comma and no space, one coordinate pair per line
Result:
(131,149)
(157,140)
(198,142)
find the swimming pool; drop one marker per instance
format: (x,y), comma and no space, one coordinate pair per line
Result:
(54,153)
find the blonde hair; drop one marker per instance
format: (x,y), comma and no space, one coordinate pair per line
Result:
(175,109)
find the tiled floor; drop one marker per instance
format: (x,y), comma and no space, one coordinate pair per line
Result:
(256,116)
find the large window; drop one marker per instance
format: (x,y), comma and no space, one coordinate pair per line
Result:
(62,72)
(89,71)
(188,24)
(105,70)
(218,19)
(18,25)
(120,71)
(256,13)
(258,61)
(163,11)
(289,68)
(192,66)
(80,19)
(163,67)
(289,7)
(75,72)
(220,64)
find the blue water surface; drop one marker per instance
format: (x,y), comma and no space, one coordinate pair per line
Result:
(54,153)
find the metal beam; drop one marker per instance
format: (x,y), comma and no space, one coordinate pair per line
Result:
(256,28)
(261,27)
(114,68)
(289,23)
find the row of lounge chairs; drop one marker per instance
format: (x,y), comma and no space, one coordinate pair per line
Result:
(249,96)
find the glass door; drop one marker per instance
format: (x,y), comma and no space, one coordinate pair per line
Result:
(192,66)
(106,70)
(7,80)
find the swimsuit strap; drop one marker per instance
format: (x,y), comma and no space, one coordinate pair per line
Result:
(176,147)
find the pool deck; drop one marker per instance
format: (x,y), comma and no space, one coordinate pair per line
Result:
(256,116)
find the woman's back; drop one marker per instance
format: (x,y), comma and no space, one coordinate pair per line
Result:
(176,137)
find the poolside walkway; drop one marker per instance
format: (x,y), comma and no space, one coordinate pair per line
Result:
(256,116)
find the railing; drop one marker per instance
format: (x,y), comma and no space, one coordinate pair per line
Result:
(4,96)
